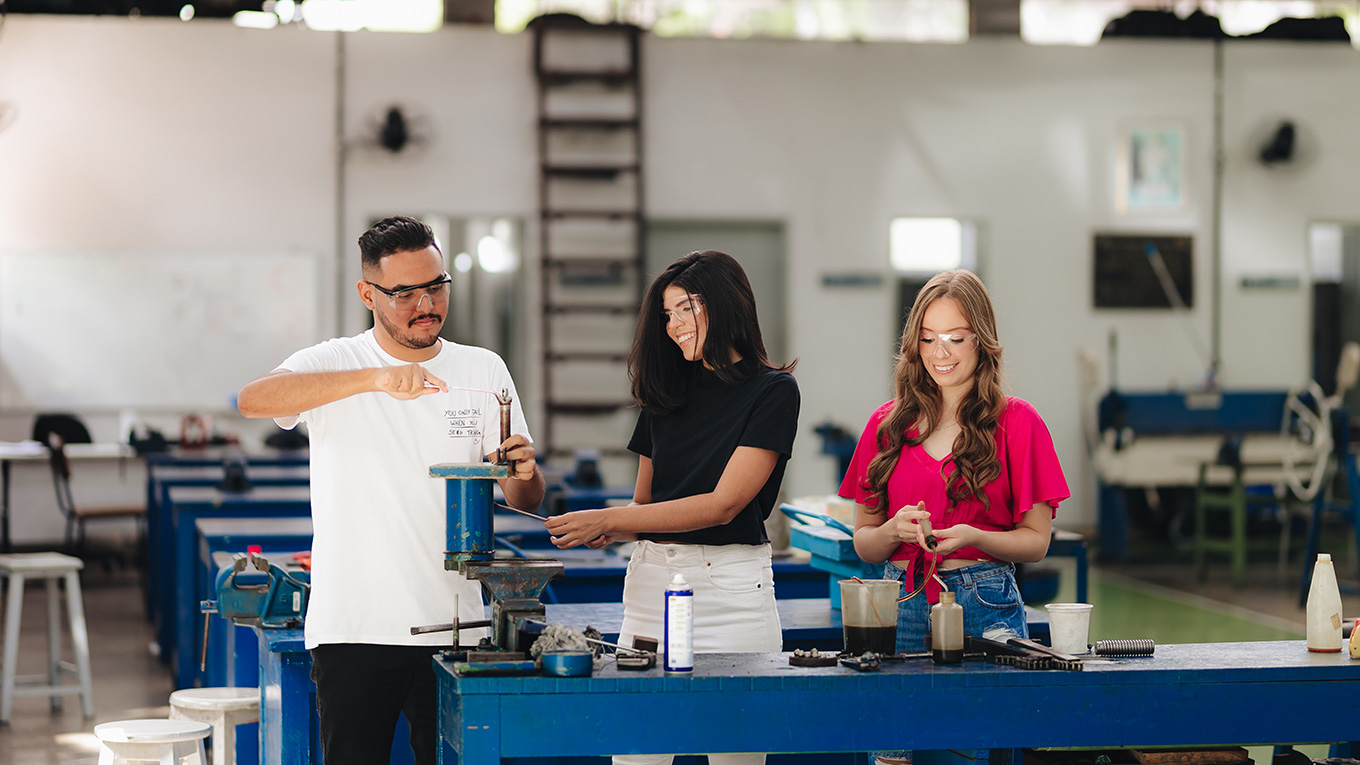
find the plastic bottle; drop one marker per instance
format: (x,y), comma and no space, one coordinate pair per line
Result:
(946,630)
(1324,607)
(679,626)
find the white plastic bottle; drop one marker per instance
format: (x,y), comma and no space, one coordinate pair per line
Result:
(1324,607)
(679,626)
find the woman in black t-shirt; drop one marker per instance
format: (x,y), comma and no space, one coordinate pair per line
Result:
(715,432)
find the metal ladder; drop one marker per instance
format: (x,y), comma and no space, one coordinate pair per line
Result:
(591,227)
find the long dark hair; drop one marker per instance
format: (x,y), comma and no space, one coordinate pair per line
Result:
(917,399)
(661,377)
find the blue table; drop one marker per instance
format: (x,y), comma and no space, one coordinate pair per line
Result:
(596,576)
(1185,695)
(219,539)
(160,477)
(216,455)
(233,658)
(186,505)
(288,724)
(574,498)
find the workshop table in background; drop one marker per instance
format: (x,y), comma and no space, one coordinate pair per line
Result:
(232,659)
(596,576)
(32,451)
(216,455)
(1184,695)
(160,477)
(218,542)
(187,504)
(566,498)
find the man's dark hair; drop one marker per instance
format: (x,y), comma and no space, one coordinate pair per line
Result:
(392,235)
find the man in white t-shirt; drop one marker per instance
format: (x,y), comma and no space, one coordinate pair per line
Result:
(381,407)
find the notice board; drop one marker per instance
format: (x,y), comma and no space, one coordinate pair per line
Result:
(1125,276)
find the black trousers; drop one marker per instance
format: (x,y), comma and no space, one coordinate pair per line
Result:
(360,690)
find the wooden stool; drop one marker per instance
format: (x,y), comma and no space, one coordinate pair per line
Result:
(223,709)
(164,741)
(53,567)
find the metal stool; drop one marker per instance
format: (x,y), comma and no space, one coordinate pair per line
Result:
(163,741)
(52,567)
(223,709)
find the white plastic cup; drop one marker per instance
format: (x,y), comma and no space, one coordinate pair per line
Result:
(1069,627)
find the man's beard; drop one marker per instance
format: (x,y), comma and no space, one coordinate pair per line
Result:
(404,337)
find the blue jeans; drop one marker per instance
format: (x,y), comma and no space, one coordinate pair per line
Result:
(987,591)
(991,603)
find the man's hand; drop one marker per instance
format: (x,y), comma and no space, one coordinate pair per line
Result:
(520,453)
(407,382)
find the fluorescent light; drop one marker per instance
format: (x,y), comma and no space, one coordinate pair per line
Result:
(494,257)
(922,245)
(255,20)
(286,11)
(334,15)
(404,15)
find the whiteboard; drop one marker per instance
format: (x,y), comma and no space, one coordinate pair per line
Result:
(178,331)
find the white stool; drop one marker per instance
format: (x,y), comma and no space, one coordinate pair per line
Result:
(223,709)
(163,741)
(52,567)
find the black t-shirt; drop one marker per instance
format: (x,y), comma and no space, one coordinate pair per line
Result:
(690,448)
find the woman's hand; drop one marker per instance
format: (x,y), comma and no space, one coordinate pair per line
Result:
(583,527)
(955,537)
(905,527)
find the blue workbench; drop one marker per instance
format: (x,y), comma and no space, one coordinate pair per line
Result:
(1185,695)
(219,539)
(186,505)
(288,727)
(216,455)
(160,477)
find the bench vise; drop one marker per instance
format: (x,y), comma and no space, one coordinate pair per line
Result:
(279,603)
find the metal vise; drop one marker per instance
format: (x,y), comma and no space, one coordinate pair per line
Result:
(281,603)
(513,587)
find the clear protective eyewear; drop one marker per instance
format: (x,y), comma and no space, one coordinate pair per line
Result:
(946,341)
(686,313)
(407,298)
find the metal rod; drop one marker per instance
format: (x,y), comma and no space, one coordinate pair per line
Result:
(448,627)
(525,513)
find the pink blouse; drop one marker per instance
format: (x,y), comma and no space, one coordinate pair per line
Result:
(1030,474)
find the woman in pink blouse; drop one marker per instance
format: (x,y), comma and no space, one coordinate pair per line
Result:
(952,448)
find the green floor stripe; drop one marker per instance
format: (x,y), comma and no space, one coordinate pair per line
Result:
(1127,608)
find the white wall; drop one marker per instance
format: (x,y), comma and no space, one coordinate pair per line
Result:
(152,134)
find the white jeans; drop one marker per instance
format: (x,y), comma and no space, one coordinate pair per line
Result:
(734,609)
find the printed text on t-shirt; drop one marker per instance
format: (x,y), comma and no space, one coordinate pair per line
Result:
(464,423)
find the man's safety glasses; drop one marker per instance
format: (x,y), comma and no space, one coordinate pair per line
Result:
(407,298)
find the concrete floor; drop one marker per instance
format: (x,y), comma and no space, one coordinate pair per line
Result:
(1158,600)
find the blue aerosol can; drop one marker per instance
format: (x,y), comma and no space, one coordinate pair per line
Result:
(679,626)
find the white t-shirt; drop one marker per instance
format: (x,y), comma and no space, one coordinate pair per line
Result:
(378,517)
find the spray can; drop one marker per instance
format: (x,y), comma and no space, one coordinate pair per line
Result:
(946,630)
(1324,607)
(679,626)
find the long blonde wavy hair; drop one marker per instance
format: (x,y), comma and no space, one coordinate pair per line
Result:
(917,399)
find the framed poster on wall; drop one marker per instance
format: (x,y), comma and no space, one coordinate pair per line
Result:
(1150,172)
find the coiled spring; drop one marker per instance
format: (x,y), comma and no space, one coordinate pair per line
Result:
(1140,647)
